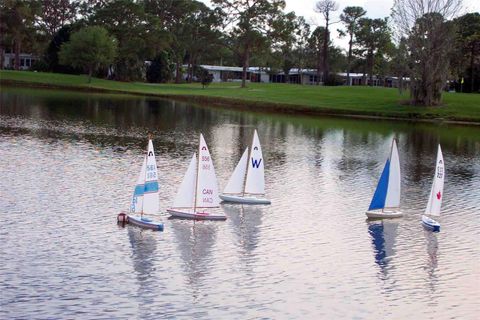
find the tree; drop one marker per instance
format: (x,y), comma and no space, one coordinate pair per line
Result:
(3,33)
(399,63)
(254,25)
(373,39)
(172,18)
(201,36)
(301,52)
(288,28)
(326,7)
(467,58)
(424,23)
(316,46)
(203,76)
(160,70)
(51,55)
(350,18)
(90,48)
(55,14)
(139,35)
(17,18)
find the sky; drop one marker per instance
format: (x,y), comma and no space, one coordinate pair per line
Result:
(374,8)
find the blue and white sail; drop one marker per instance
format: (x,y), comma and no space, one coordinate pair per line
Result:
(145,197)
(151,200)
(136,205)
(387,194)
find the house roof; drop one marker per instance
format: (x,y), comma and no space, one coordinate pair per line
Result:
(234,69)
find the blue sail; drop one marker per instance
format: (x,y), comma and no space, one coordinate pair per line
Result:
(378,200)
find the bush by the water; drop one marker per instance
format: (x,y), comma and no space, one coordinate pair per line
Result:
(160,70)
(203,76)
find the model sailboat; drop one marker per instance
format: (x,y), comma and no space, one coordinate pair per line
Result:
(436,195)
(247,183)
(145,196)
(199,188)
(386,199)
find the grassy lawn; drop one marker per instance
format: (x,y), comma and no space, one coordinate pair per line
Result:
(368,101)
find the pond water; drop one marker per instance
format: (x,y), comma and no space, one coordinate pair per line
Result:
(69,161)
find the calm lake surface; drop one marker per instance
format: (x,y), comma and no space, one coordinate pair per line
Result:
(69,162)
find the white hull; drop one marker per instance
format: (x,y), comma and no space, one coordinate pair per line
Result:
(144,223)
(190,214)
(244,199)
(385,214)
(430,223)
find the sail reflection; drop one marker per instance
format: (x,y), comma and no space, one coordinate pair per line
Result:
(432,262)
(144,245)
(246,221)
(195,240)
(383,235)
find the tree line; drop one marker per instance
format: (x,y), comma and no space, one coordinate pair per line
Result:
(114,38)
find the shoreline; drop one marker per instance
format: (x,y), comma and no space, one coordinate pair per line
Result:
(236,104)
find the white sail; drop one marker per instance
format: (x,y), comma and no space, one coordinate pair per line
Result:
(255,183)
(392,199)
(237,180)
(186,192)
(436,194)
(207,186)
(151,202)
(137,199)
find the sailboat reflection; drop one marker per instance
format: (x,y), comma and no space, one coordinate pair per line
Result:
(246,221)
(144,245)
(431,265)
(383,240)
(195,240)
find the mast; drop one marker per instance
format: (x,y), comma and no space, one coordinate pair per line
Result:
(390,161)
(144,180)
(149,137)
(392,199)
(248,168)
(255,181)
(196,177)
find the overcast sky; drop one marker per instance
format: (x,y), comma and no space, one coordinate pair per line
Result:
(374,8)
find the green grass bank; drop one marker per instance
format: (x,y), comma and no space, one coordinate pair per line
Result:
(286,98)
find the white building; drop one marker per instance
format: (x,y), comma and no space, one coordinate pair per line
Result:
(229,74)
(26,61)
